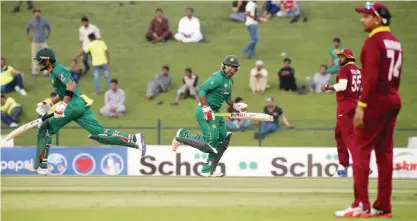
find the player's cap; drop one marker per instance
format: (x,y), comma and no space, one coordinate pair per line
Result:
(36,10)
(346,52)
(259,62)
(377,9)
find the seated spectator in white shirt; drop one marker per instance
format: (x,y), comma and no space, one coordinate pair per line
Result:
(238,11)
(114,101)
(320,79)
(189,28)
(189,87)
(258,78)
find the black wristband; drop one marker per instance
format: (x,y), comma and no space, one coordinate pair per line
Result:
(69,93)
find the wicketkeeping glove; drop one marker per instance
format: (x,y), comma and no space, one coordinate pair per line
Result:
(59,110)
(241,107)
(208,113)
(43,107)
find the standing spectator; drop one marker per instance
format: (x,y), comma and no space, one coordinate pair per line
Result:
(286,77)
(277,113)
(236,124)
(161,83)
(75,71)
(271,8)
(11,79)
(333,58)
(86,29)
(320,79)
(189,87)
(10,111)
(101,60)
(39,26)
(238,11)
(19,4)
(258,78)
(189,28)
(158,29)
(114,101)
(251,23)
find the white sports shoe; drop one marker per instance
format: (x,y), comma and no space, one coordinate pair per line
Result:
(175,144)
(215,174)
(350,212)
(13,125)
(140,141)
(41,171)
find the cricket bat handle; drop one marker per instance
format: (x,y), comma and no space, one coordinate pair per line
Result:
(222,114)
(47,116)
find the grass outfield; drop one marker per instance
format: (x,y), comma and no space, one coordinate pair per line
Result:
(187,199)
(135,61)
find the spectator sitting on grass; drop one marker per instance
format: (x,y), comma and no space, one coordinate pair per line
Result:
(189,28)
(286,76)
(258,78)
(277,113)
(320,79)
(291,9)
(238,11)
(158,30)
(10,111)
(333,66)
(114,101)
(271,8)
(11,79)
(189,87)
(161,83)
(236,124)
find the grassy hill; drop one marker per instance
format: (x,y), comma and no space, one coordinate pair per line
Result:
(135,61)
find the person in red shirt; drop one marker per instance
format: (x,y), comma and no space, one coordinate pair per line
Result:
(377,112)
(158,30)
(347,87)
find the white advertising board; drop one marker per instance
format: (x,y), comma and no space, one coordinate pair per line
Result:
(258,162)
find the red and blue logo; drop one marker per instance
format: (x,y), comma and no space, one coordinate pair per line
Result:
(83,164)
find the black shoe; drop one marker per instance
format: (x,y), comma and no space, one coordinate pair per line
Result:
(159,102)
(295,19)
(16,9)
(174,103)
(305,19)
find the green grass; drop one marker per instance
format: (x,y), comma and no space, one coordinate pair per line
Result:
(187,199)
(135,61)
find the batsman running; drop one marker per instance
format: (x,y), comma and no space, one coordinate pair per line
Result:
(74,107)
(214,139)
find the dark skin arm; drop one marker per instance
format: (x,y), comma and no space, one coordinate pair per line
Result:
(70,87)
(78,55)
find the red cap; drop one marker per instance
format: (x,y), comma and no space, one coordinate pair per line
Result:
(346,52)
(371,8)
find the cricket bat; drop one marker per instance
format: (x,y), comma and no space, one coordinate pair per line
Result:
(27,126)
(247,116)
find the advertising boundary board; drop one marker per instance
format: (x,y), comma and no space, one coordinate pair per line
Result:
(259,162)
(67,161)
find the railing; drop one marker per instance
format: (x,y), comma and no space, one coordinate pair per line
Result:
(159,127)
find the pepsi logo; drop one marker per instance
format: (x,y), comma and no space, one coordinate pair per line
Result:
(84,164)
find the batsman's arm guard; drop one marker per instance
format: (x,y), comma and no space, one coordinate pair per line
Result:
(196,143)
(220,151)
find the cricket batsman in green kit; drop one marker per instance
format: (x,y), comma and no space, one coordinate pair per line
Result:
(74,107)
(214,139)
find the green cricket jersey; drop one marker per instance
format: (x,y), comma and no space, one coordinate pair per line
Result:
(217,89)
(333,53)
(60,77)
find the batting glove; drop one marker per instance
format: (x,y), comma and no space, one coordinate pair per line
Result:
(208,113)
(43,107)
(59,110)
(241,107)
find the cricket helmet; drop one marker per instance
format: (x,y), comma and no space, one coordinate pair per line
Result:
(43,57)
(231,60)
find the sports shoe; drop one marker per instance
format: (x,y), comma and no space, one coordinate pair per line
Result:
(13,125)
(175,144)
(341,171)
(380,213)
(351,212)
(215,174)
(140,142)
(41,171)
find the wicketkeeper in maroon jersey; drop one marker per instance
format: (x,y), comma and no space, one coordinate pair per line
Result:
(347,87)
(377,112)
